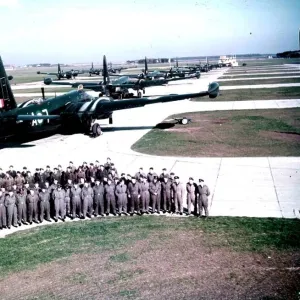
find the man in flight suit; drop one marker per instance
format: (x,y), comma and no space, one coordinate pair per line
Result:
(191,194)
(204,192)
(59,202)
(10,202)
(110,197)
(151,175)
(67,205)
(133,192)
(155,190)
(44,203)
(166,187)
(76,201)
(98,198)
(21,207)
(31,201)
(19,180)
(120,192)
(178,195)
(3,223)
(145,196)
(87,195)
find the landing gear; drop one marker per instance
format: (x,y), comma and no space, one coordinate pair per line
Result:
(96,130)
(144,91)
(110,120)
(184,121)
(139,94)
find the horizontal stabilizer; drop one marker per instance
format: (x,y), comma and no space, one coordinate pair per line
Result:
(36,117)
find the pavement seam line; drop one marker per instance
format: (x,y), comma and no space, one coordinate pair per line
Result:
(215,186)
(275,187)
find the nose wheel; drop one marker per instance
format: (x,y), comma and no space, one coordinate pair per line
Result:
(96,130)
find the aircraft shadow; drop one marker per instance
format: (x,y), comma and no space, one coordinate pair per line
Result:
(121,128)
(21,143)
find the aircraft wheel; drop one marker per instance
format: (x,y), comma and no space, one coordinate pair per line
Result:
(96,130)
(144,91)
(139,94)
(110,120)
(184,121)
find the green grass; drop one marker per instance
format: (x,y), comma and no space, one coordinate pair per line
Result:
(258,76)
(266,132)
(292,92)
(28,249)
(259,81)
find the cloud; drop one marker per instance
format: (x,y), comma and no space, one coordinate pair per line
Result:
(10,3)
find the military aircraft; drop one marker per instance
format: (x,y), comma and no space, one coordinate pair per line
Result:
(118,89)
(114,70)
(94,71)
(72,112)
(61,74)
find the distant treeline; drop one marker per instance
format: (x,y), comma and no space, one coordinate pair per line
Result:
(289,54)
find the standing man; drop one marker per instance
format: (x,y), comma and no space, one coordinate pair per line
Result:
(31,201)
(44,203)
(163,175)
(67,204)
(191,195)
(21,206)
(12,172)
(3,223)
(110,197)
(133,192)
(59,202)
(151,175)
(204,192)
(101,173)
(122,197)
(8,182)
(166,188)
(19,180)
(178,195)
(145,196)
(87,195)
(76,201)
(10,202)
(155,190)
(140,174)
(98,198)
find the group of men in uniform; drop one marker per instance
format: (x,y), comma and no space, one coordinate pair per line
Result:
(93,189)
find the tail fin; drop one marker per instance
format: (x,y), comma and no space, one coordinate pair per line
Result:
(146,66)
(7,99)
(106,79)
(59,69)
(92,66)
(176,62)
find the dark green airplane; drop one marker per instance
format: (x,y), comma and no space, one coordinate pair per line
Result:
(61,74)
(118,89)
(75,111)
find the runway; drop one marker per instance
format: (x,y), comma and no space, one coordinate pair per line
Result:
(254,187)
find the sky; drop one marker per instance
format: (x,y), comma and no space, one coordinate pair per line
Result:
(81,31)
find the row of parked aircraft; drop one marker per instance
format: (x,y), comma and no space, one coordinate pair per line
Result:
(77,110)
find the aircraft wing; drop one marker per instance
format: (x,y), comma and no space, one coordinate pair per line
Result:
(96,86)
(105,106)
(38,72)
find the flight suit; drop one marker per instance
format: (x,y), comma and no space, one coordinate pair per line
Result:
(166,188)
(191,196)
(47,177)
(120,192)
(87,195)
(100,174)
(2,212)
(138,176)
(98,199)
(8,182)
(76,201)
(10,202)
(151,176)
(79,175)
(44,203)
(145,196)
(30,180)
(155,189)
(67,200)
(59,203)
(19,181)
(32,201)
(12,173)
(133,192)
(21,207)
(110,198)
(204,192)
(178,196)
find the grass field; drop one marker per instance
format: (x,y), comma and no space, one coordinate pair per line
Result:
(248,133)
(154,257)
(259,81)
(256,94)
(252,76)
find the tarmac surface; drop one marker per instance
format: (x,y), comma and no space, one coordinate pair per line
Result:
(253,187)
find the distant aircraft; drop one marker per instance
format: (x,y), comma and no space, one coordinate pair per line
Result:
(61,74)
(74,111)
(118,88)
(93,71)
